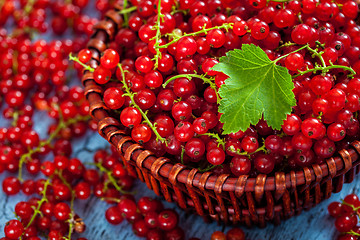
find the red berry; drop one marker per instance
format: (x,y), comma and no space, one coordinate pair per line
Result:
(109,59)
(62,211)
(240,165)
(334,209)
(235,234)
(11,185)
(168,220)
(113,215)
(84,55)
(345,223)
(13,229)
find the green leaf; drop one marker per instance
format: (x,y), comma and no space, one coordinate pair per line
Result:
(256,88)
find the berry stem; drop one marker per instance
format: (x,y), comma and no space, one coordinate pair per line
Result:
(40,202)
(29,6)
(111,178)
(125,11)
(175,10)
(63,180)
(353,233)
(15,117)
(131,96)
(208,168)
(125,3)
(128,10)
(61,125)
(217,137)
(15,64)
(203,77)
(325,69)
(350,205)
(71,215)
(297,50)
(110,199)
(76,59)
(158,35)
(70,221)
(315,53)
(262,148)
(205,30)
(182,154)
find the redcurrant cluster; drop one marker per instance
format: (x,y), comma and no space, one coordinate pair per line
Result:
(158,77)
(346,214)
(67,180)
(148,218)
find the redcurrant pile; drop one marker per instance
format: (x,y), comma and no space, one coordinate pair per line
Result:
(158,76)
(34,78)
(148,218)
(346,217)
(67,179)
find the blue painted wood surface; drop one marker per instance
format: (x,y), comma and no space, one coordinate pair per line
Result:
(313,224)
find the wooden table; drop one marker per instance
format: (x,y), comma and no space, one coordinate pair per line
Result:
(314,224)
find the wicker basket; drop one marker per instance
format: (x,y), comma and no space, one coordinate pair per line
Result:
(245,200)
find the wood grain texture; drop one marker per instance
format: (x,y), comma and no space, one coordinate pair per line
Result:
(314,224)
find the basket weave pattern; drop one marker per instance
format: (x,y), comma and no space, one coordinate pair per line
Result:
(245,200)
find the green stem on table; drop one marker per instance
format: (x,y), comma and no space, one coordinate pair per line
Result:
(75,59)
(71,215)
(71,219)
(40,202)
(61,125)
(111,178)
(220,140)
(143,114)
(209,81)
